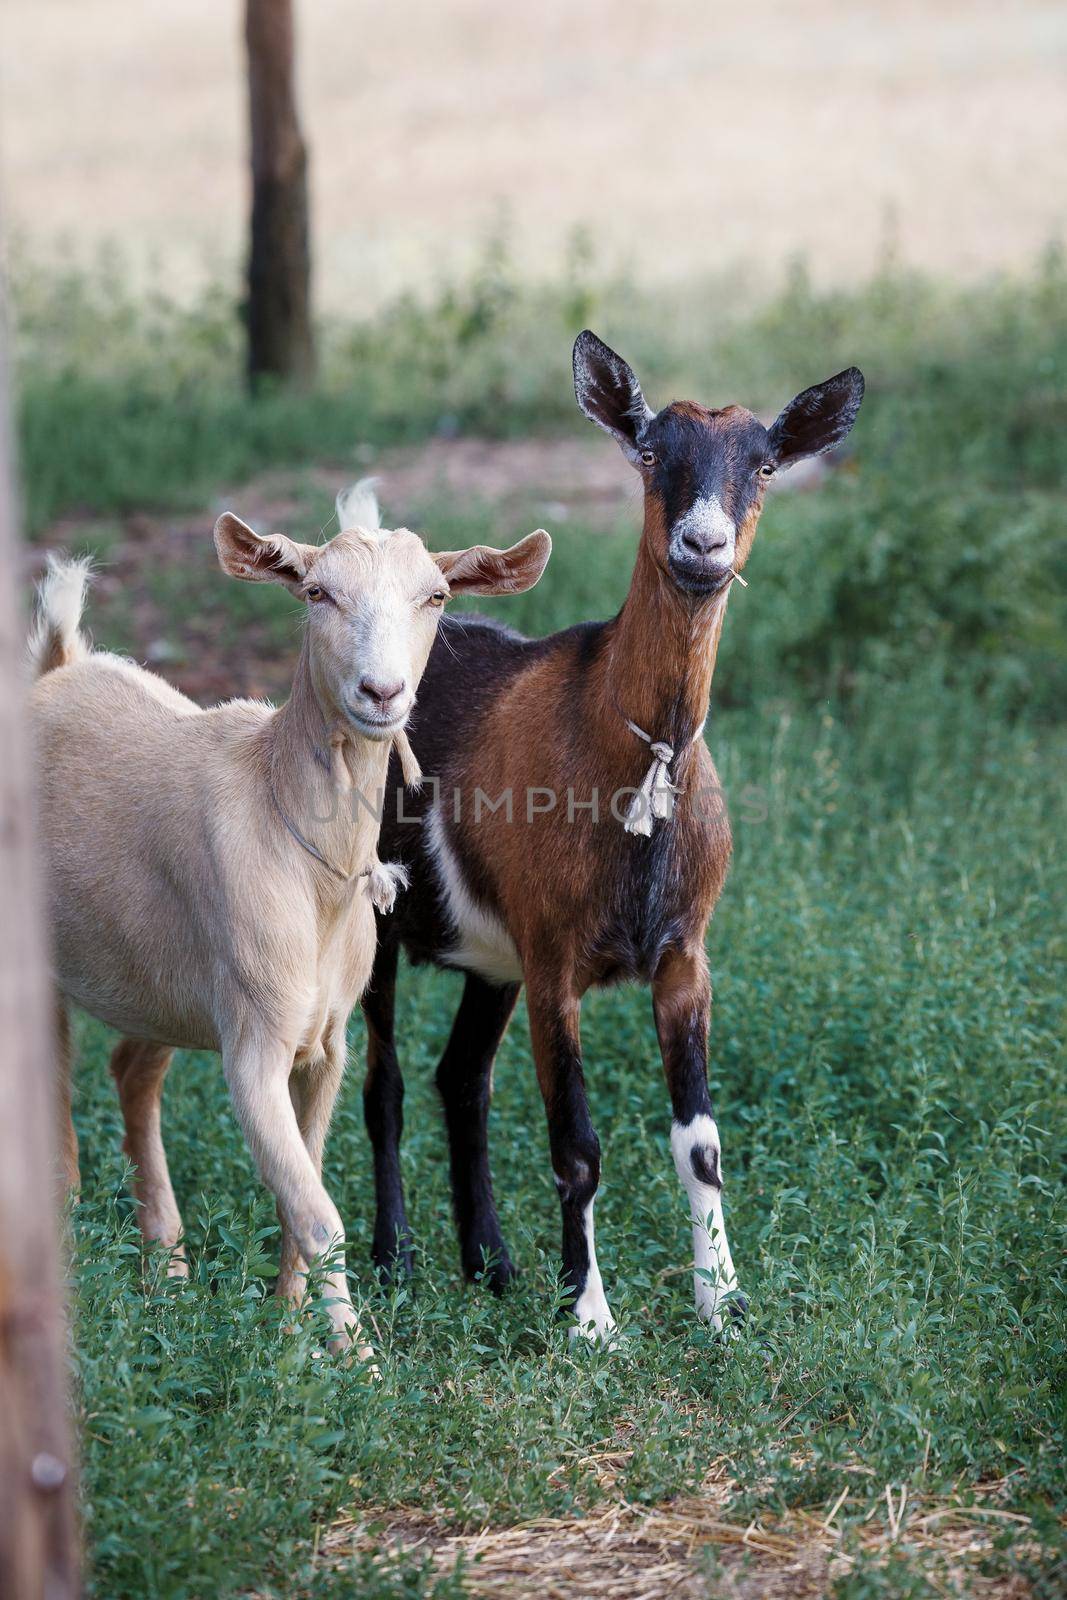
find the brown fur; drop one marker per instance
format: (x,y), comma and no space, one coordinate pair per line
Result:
(555,896)
(555,883)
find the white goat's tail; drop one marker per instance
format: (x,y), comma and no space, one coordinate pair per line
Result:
(57,639)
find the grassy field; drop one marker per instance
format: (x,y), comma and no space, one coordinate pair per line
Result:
(888,965)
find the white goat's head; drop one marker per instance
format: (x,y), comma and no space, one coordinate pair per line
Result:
(374,599)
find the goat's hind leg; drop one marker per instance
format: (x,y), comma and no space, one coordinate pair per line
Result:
(383,1112)
(465,1083)
(68,1138)
(139,1068)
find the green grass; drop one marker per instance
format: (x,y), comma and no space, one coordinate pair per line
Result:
(949,540)
(887,961)
(888,965)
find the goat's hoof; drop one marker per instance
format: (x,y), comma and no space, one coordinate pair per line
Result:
(364,1354)
(602,1334)
(501,1275)
(178,1267)
(494,1268)
(729,1317)
(737,1309)
(395,1264)
(352,1354)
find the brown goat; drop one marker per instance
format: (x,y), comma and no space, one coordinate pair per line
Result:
(574,834)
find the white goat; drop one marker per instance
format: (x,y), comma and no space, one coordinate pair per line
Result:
(208,887)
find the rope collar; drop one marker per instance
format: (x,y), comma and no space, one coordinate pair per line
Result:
(654,800)
(412,778)
(312,850)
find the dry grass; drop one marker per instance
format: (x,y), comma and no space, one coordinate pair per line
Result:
(685,138)
(623,1551)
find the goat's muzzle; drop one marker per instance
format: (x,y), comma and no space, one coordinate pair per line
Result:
(702,575)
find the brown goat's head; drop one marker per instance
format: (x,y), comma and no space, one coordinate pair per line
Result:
(705,472)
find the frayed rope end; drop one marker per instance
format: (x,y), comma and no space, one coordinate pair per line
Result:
(409,765)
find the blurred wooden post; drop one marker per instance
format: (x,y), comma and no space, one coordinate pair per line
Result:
(279,268)
(38,1545)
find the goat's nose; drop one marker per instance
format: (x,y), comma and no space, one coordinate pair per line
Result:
(383,694)
(703,543)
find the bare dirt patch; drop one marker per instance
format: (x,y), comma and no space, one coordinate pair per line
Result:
(566,477)
(159,595)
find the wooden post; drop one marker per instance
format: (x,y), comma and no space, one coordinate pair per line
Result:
(38,1544)
(279,268)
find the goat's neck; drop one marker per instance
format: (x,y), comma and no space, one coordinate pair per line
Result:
(660,658)
(318,768)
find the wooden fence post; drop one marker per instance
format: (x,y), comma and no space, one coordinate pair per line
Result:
(38,1541)
(279,264)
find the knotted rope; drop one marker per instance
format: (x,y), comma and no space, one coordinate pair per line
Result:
(654,800)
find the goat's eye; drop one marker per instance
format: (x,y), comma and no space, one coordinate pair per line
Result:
(767,470)
(438,598)
(314,591)
(648,457)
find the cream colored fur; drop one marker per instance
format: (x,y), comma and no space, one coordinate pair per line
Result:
(60,602)
(185,912)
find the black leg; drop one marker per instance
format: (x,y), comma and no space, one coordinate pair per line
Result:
(383,1111)
(574,1146)
(465,1082)
(681,997)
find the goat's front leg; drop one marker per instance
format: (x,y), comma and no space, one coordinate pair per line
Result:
(575,1148)
(313,1090)
(681,998)
(257,1072)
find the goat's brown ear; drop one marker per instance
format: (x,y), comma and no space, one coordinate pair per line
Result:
(260,558)
(817,419)
(608,392)
(482,570)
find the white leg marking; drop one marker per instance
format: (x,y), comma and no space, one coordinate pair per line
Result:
(591,1315)
(714,1272)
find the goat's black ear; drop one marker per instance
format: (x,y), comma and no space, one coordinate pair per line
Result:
(817,419)
(608,391)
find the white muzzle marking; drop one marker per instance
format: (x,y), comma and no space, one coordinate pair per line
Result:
(708,521)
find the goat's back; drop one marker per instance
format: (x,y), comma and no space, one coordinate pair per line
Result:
(137,788)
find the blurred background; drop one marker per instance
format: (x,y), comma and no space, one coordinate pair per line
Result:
(742,202)
(383,270)
(674,139)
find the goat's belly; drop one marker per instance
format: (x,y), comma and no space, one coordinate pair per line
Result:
(130,964)
(139,1014)
(481,942)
